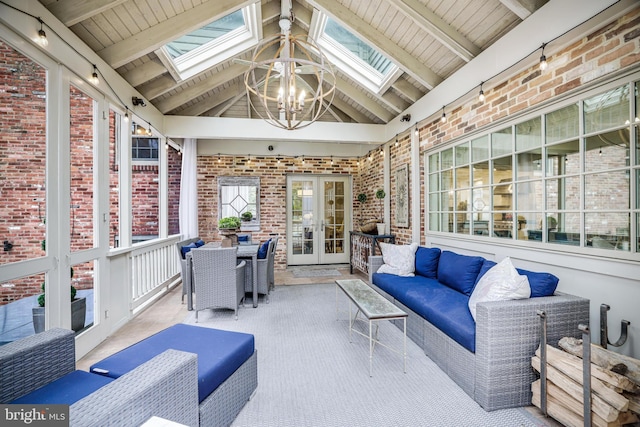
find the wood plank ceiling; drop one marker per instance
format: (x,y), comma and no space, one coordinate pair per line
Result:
(427,39)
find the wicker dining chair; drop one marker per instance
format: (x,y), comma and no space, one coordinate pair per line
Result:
(271,261)
(263,273)
(218,281)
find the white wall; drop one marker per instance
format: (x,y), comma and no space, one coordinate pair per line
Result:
(601,279)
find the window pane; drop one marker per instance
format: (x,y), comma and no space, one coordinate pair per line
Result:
(564,228)
(434,223)
(81,162)
(607,230)
(608,190)
(529,196)
(463,204)
(528,226)
(480,148)
(528,164)
(434,202)
(481,173)
(501,142)
(563,193)
(446,158)
(447,179)
(434,162)
(462,154)
(607,110)
(502,170)
(562,124)
(607,151)
(145,189)
(434,182)
(19,296)
(528,134)
(447,222)
(22,159)
(462,177)
(563,159)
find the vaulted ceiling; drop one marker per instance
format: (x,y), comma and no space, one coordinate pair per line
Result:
(428,40)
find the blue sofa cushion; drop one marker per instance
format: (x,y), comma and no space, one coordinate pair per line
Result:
(443,307)
(219,352)
(243,238)
(541,284)
(427,262)
(262,251)
(66,390)
(199,243)
(185,249)
(459,272)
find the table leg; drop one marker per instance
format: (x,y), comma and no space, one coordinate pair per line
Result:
(254,269)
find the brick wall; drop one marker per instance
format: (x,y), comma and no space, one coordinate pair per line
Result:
(400,155)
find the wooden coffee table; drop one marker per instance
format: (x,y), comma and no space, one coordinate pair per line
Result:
(374,307)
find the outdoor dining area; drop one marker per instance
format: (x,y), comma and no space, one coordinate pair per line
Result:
(221,275)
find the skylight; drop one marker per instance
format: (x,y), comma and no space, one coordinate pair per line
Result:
(356,58)
(211,44)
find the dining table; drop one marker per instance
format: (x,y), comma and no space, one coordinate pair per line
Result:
(246,252)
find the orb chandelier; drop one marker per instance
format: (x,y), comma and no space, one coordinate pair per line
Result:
(294,87)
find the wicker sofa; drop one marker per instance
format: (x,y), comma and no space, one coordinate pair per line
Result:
(489,358)
(166,386)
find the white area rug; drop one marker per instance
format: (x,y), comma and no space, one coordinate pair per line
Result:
(310,375)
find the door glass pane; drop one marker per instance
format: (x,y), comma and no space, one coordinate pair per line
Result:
(302,217)
(562,124)
(81,164)
(334,217)
(22,160)
(607,110)
(115,133)
(607,151)
(528,134)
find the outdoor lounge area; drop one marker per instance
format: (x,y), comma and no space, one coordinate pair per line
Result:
(262,182)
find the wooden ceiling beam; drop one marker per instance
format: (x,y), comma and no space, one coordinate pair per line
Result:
(213,101)
(522,8)
(143,73)
(70,12)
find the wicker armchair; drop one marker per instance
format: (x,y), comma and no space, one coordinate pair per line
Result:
(263,272)
(218,281)
(271,257)
(166,386)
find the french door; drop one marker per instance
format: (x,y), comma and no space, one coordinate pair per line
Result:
(318,219)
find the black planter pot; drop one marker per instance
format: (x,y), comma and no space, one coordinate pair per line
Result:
(78,315)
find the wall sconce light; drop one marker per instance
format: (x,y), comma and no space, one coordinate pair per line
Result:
(138,101)
(543,59)
(406,118)
(481,93)
(126,114)
(7,245)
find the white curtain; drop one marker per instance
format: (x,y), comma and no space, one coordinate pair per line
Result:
(189,190)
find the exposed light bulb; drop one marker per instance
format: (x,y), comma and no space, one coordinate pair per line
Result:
(417,131)
(543,59)
(126,115)
(397,143)
(94,76)
(443,119)
(481,93)
(42,36)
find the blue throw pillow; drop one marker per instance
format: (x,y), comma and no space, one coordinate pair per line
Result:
(541,284)
(185,249)
(427,262)
(243,237)
(199,243)
(264,247)
(459,272)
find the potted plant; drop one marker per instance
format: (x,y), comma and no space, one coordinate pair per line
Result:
(227,228)
(246,216)
(78,310)
(380,195)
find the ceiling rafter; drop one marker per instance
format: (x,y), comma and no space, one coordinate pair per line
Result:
(522,8)
(438,28)
(143,73)
(214,100)
(382,43)
(157,36)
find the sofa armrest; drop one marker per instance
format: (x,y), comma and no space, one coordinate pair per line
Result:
(32,362)
(507,335)
(165,386)
(375,261)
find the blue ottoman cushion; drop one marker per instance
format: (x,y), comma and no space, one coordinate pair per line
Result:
(220,353)
(66,390)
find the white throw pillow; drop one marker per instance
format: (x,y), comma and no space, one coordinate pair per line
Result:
(398,259)
(502,282)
